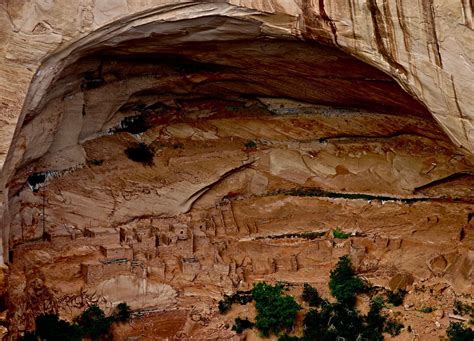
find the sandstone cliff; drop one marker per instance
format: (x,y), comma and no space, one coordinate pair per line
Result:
(167,153)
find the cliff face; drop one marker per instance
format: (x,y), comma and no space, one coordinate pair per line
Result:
(181,151)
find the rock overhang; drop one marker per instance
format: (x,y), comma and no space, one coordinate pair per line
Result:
(203,37)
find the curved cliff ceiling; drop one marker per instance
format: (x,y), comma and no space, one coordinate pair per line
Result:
(79,93)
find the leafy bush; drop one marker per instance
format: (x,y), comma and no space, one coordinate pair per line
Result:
(461,308)
(339,234)
(224,305)
(29,336)
(374,320)
(94,323)
(240,325)
(275,311)
(457,332)
(122,312)
(49,327)
(311,296)
(393,327)
(331,322)
(396,297)
(344,283)
(241,297)
(464,309)
(426,310)
(142,153)
(335,321)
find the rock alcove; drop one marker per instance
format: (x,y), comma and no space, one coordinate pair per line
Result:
(209,156)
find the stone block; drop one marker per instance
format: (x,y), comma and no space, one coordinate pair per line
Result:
(190,268)
(116,251)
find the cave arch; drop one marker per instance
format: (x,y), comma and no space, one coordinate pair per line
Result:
(184,31)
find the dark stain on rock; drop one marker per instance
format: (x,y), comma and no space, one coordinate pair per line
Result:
(430,28)
(403,24)
(380,33)
(390,30)
(351,9)
(467,12)
(444,180)
(458,106)
(327,20)
(315,24)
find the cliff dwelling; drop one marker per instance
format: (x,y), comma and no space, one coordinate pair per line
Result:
(167,163)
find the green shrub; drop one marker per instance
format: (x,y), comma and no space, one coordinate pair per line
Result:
(224,305)
(241,297)
(426,310)
(275,311)
(464,309)
(457,332)
(339,234)
(374,318)
(335,321)
(396,297)
(460,308)
(29,336)
(311,296)
(374,321)
(344,283)
(240,325)
(332,322)
(49,327)
(94,323)
(122,312)
(141,153)
(393,327)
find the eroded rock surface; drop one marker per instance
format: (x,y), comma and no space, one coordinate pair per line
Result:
(194,149)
